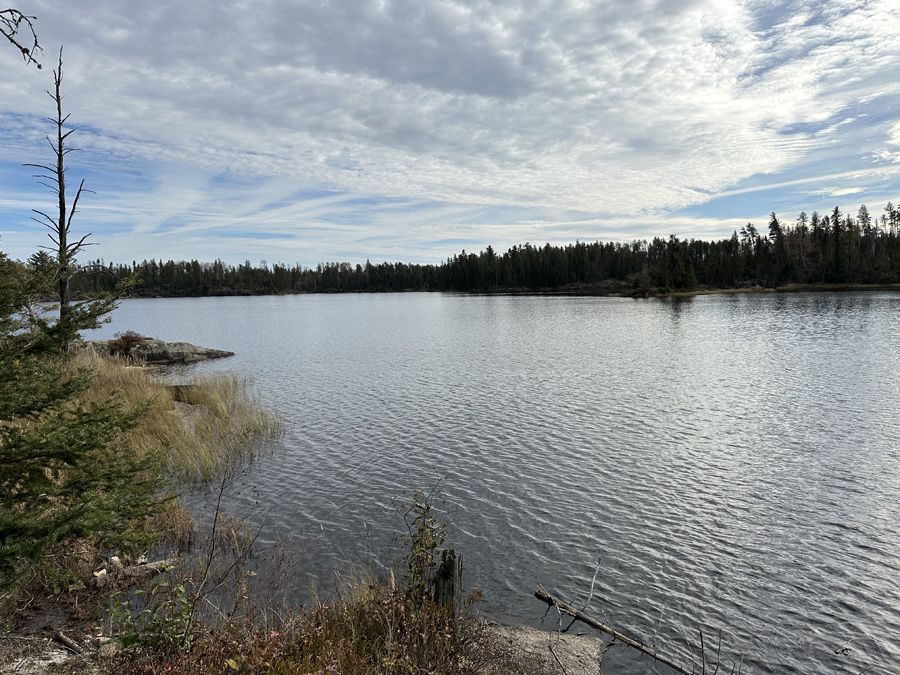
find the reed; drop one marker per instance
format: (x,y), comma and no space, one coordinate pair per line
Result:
(217,425)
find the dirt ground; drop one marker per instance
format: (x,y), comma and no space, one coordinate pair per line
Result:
(48,629)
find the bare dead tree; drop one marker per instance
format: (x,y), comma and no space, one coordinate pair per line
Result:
(55,179)
(13,25)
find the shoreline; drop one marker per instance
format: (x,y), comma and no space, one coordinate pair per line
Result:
(505,650)
(581,291)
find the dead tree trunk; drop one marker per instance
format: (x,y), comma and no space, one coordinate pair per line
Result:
(55,179)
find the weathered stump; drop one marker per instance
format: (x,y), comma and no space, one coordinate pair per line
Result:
(448,580)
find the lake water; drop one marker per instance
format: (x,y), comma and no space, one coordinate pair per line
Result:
(733,460)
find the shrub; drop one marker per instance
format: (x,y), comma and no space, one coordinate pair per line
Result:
(125,341)
(423,537)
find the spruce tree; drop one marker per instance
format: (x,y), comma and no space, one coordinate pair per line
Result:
(65,469)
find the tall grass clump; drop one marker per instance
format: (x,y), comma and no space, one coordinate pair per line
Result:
(167,446)
(216,424)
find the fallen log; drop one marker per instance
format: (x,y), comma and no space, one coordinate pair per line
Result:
(593,623)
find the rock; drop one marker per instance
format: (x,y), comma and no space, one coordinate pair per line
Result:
(109,646)
(159,352)
(139,571)
(526,651)
(39,661)
(147,570)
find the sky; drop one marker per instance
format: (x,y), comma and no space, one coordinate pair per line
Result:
(300,131)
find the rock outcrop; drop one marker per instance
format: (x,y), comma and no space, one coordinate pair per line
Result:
(159,352)
(527,651)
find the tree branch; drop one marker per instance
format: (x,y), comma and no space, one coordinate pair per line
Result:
(12,22)
(593,623)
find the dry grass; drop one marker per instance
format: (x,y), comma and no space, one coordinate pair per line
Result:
(222,426)
(218,424)
(178,528)
(212,429)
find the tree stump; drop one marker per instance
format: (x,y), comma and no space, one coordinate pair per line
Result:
(448,580)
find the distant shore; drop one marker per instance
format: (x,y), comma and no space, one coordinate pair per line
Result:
(587,290)
(787,288)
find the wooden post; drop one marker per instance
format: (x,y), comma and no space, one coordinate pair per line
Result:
(448,580)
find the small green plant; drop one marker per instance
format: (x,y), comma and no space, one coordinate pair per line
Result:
(423,537)
(165,626)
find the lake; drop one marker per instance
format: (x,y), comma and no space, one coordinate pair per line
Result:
(732,460)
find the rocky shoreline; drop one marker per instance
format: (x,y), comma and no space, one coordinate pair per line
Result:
(520,650)
(157,352)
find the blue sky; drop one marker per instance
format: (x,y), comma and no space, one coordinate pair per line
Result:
(406,130)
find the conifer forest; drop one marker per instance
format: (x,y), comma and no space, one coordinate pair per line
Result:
(832,248)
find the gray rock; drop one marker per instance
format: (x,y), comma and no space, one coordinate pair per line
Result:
(526,651)
(160,352)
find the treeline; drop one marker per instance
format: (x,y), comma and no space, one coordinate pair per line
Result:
(833,248)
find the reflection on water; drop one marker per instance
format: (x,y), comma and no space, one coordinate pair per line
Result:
(733,459)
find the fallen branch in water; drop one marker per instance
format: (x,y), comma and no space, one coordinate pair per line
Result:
(584,618)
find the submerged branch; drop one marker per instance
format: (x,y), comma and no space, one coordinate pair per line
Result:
(593,623)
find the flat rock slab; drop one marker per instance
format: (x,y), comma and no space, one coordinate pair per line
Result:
(160,352)
(527,651)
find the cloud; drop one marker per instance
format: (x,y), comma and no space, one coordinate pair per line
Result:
(838,192)
(894,134)
(616,110)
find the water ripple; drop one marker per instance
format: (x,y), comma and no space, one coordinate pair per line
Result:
(733,460)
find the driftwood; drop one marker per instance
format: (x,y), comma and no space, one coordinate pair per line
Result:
(68,642)
(584,618)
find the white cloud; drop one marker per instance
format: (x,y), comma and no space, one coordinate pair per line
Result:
(894,134)
(838,192)
(618,108)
